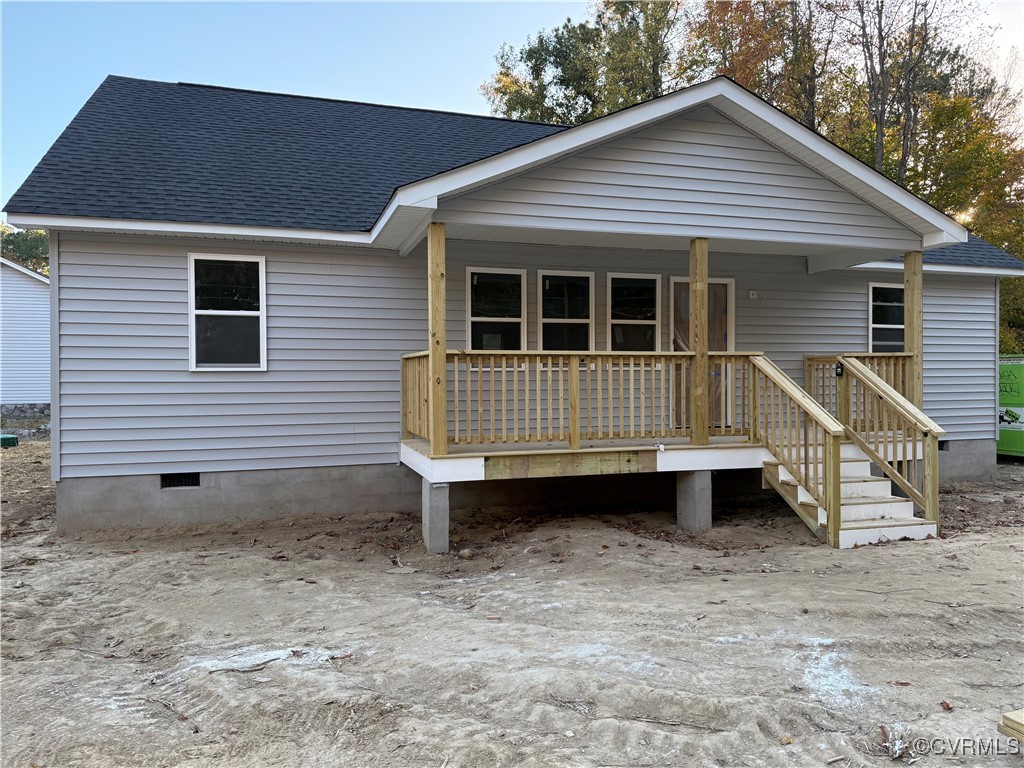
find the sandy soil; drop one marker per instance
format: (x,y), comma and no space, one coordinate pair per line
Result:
(555,641)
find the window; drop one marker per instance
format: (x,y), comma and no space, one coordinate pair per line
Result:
(227,318)
(634,309)
(885,322)
(497,308)
(566,308)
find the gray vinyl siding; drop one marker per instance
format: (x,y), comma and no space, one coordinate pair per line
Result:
(961,353)
(338,322)
(697,172)
(25,351)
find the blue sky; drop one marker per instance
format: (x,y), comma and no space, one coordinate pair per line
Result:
(424,54)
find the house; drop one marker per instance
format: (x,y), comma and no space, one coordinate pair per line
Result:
(274,305)
(24,341)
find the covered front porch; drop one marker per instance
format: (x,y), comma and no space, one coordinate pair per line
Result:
(506,414)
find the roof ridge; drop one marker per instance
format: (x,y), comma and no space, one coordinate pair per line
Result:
(344,101)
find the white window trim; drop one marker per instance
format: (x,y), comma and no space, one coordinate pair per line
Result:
(871,323)
(541,274)
(262,261)
(469,306)
(730,282)
(657,307)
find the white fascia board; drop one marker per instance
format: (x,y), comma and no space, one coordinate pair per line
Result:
(142,227)
(947,269)
(756,115)
(552,147)
(733,101)
(25,271)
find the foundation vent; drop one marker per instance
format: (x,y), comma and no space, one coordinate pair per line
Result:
(180,480)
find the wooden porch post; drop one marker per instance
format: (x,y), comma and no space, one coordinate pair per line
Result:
(699,341)
(437,341)
(913,320)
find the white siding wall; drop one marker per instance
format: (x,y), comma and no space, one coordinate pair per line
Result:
(25,351)
(339,321)
(695,173)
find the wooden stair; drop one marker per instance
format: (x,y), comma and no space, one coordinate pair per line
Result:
(869,512)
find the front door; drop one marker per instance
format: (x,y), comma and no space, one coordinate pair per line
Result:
(720,332)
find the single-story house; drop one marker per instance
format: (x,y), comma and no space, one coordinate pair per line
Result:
(24,340)
(274,305)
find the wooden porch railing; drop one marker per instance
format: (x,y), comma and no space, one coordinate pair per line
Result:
(892,431)
(820,374)
(802,436)
(415,387)
(524,397)
(530,397)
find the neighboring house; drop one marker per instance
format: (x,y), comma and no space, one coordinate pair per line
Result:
(275,305)
(24,339)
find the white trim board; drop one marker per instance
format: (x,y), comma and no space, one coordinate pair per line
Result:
(25,270)
(193,367)
(590,322)
(947,269)
(468,293)
(609,322)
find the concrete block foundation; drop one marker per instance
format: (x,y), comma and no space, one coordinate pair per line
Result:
(138,501)
(967,460)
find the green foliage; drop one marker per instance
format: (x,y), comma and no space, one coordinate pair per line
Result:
(581,71)
(1011,316)
(30,248)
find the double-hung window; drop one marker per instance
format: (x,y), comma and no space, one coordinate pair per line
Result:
(227,312)
(566,309)
(886,323)
(634,307)
(497,308)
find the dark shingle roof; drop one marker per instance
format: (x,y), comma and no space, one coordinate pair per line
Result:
(974,253)
(148,150)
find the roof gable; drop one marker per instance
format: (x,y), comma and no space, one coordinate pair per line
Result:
(694,173)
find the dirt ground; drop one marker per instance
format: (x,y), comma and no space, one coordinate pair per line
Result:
(552,641)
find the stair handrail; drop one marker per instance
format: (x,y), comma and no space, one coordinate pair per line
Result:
(796,454)
(882,433)
(883,389)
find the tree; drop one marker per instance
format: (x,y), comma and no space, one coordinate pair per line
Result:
(585,70)
(30,248)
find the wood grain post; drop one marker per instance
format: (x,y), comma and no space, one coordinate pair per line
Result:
(437,341)
(844,387)
(699,370)
(755,404)
(833,488)
(931,479)
(913,324)
(574,402)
